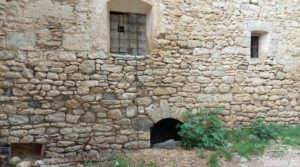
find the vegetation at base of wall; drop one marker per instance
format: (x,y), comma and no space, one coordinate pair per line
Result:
(290,135)
(203,129)
(122,160)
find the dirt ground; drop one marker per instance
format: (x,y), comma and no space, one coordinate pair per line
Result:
(275,156)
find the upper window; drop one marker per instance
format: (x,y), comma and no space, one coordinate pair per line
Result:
(127,33)
(255,46)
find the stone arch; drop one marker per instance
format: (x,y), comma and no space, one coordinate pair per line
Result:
(164,130)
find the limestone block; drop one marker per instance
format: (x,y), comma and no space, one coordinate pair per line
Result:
(56,117)
(89,117)
(205,98)
(98,55)
(72,118)
(186,19)
(82,90)
(143,101)
(21,41)
(200,51)
(38,9)
(66,56)
(164,91)
(211,89)
(18,119)
(281,92)
(224,88)
(87,67)
(102,128)
(131,111)
(77,42)
(153,112)
(115,114)
(5,55)
(111,68)
(80,129)
(242,97)
(72,103)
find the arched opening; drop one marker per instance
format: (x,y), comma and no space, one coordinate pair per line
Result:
(164,130)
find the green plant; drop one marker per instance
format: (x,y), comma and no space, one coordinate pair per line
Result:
(87,163)
(118,160)
(203,130)
(265,131)
(214,159)
(245,143)
(290,135)
(200,152)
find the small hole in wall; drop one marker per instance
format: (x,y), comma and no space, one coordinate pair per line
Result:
(8,92)
(34,104)
(164,130)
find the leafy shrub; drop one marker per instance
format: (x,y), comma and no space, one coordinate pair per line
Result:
(202,129)
(265,131)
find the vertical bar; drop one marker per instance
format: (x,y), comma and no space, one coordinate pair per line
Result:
(119,33)
(128,36)
(137,34)
(42,151)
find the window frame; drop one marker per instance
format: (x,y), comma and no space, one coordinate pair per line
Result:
(141,36)
(257,47)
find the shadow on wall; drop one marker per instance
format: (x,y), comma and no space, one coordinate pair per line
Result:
(164,130)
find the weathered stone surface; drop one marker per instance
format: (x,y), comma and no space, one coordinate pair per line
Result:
(114,114)
(143,101)
(40,8)
(87,67)
(77,42)
(5,55)
(56,117)
(18,119)
(111,68)
(22,41)
(72,103)
(89,117)
(58,77)
(15,160)
(98,55)
(164,91)
(169,144)
(131,111)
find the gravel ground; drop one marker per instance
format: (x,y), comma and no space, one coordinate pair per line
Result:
(275,156)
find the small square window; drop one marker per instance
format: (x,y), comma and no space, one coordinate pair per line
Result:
(127,33)
(255,46)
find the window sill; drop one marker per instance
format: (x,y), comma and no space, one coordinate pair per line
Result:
(128,56)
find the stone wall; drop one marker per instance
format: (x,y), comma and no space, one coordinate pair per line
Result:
(58,80)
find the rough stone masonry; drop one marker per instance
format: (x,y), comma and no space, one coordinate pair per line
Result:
(58,79)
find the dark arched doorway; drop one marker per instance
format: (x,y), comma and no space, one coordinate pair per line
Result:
(164,130)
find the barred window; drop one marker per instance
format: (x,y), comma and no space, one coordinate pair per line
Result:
(127,33)
(254,46)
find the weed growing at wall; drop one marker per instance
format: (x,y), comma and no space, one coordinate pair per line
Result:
(203,130)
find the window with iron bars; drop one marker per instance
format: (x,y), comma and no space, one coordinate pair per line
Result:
(127,33)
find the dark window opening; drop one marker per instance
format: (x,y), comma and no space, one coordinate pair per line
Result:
(254,46)
(127,33)
(164,130)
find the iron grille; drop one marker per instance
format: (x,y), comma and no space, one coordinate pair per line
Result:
(127,33)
